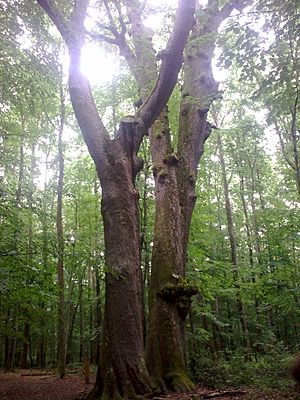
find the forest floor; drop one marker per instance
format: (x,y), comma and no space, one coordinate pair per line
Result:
(39,385)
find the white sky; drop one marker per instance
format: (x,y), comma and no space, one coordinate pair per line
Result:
(97,65)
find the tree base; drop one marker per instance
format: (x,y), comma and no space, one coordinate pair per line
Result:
(178,382)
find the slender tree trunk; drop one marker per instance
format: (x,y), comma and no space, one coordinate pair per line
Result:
(98,314)
(72,317)
(81,324)
(289,139)
(247,221)
(12,345)
(41,352)
(233,249)
(21,165)
(295,140)
(26,331)
(42,345)
(26,339)
(61,360)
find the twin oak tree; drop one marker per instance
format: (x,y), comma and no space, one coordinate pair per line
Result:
(129,367)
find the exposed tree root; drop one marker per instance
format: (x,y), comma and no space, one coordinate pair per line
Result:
(38,374)
(230,393)
(179,382)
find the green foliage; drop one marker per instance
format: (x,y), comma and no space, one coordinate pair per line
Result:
(263,55)
(268,371)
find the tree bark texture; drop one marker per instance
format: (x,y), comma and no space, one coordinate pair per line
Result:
(175,179)
(122,372)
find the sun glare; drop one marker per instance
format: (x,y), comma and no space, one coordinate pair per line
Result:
(100,66)
(97,65)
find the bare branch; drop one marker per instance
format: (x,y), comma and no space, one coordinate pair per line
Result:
(118,38)
(111,20)
(121,19)
(101,36)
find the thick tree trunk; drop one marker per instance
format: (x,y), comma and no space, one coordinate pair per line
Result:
(170,294)
(165,349)
(122,372)
(175,180)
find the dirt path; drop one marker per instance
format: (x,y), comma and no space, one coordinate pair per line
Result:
(17,386)
(14,386)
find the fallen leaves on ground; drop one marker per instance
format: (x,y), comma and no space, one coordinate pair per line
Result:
(30,386)
(42,385)
(202,393)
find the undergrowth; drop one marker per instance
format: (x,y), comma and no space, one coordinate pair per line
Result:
(238,369)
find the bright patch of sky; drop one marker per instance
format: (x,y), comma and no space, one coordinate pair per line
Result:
(155,21)
(98,65)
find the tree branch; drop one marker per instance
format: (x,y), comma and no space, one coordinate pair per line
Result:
(56,17)
(91,125)
(171,64)
(118,38)
(283,147)
(80,9)
(227,9)
(101,36)
(111,20)
(121,19)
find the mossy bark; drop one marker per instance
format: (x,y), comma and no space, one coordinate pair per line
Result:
(175,181)
(165,346)
(122,373)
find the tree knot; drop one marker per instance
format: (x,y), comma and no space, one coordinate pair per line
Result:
(178,291)
(171,160)
(180,295)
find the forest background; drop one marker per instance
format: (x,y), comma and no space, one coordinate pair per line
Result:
(244,244)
